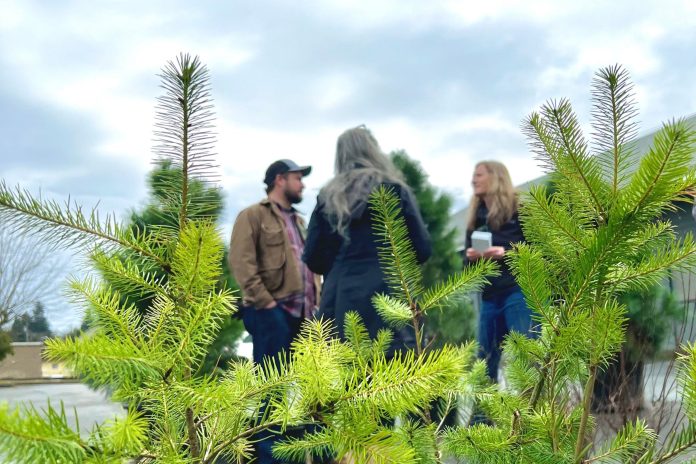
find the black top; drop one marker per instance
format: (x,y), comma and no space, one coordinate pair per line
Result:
(351,269)
(508,234)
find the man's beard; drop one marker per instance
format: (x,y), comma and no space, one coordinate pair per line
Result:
(293,197)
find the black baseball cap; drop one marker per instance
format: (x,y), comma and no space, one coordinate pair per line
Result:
(283,166)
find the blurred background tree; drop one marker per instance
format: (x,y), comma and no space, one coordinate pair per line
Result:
(208,204)
(31,327)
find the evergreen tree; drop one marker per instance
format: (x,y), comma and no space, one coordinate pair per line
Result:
(19,331)
(30,327)
(38,324)
(600,234)
(5,344)
(406,386)
(158,214)
(148,359)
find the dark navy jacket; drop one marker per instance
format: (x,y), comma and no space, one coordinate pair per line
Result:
(508,234)
(351,269)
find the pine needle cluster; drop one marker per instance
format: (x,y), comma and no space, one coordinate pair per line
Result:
(599,233)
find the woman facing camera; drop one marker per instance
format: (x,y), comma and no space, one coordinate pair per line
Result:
(493,209)
(340,242)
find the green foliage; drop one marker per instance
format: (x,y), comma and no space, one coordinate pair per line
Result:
(456,324)
(138,281)
(435,208)
(154,316)
(349,391)
(5,344)
(588,247)
(353,390)
(650,316)
(599,234)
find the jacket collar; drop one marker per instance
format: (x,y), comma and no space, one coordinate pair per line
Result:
(274,206)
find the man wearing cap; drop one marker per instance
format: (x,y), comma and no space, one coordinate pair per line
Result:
(278,290)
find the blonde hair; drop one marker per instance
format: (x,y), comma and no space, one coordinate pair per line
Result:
(501,197)
(360,167)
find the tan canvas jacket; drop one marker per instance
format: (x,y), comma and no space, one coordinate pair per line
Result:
(261,257)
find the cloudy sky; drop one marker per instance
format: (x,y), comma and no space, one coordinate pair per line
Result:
(448,81)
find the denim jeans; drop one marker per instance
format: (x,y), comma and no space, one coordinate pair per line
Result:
(272,331)
(498,316)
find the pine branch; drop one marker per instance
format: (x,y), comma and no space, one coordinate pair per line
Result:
(472,279)
(530,271)
(541,141)
(197,260)
(357,337)
(195,328)
(664,174)
(105,361)
(573,161)
(614,111)
(69,227)
(29,436)
(679,255)
(125,436)
(554,220)
(184,124)
(319,361)
(396,254)
(130,275)
(631,440)
(106,312)
(407,382)
(394,312)
(674,447)
(687,378)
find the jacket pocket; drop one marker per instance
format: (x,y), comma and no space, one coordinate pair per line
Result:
(272,254)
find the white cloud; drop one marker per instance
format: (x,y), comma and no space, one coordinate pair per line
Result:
(101,60)
(333,90)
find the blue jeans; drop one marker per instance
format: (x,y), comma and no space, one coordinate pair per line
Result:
(272,331)
(498,316)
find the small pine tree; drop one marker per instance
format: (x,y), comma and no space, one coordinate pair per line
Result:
(363,392)
(148,358)
(599,234)
(19,331)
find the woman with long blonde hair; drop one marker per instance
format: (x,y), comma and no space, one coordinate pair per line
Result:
(493,209)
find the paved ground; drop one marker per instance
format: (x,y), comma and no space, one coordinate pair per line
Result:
(93,407)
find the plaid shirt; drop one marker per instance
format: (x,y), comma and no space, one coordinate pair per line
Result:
(302,304)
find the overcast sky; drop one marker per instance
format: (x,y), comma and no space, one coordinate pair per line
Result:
(448,81)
